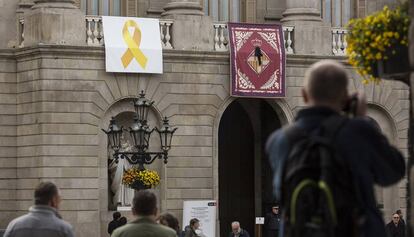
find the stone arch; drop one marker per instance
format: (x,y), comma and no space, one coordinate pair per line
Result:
(280,107)
(388,198)
(120,106)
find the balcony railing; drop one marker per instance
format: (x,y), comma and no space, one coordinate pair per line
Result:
(339,43)
(95,36)
(221,37)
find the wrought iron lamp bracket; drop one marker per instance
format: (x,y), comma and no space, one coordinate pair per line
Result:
(141,158)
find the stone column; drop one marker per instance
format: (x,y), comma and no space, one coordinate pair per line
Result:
(191,30)
(305,16)
(54,22)
(155,8)
(183,7)
(410,175)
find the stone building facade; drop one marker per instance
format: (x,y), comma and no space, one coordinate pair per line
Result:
(55,96)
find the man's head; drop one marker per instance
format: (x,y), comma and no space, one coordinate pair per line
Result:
(395,218)
(116,215)
(194,223)
(46,193)
(399,212)
(144,203)
(275,209)
(235,227)
(326,84)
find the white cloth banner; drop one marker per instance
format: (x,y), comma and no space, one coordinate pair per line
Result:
(205,212)
(132,44)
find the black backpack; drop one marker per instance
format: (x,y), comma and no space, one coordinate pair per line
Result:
(319,198)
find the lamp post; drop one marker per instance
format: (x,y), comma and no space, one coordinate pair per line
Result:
(140,133)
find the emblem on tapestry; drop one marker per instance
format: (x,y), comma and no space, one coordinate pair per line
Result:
(257,60)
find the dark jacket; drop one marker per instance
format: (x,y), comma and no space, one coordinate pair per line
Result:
(395,231)
(371,158)
(243,233)
(272,221)
(190,233)
(41,221)
(112,226)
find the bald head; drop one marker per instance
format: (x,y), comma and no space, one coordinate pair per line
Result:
(326,84)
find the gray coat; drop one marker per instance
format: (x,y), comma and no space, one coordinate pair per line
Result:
(41,221)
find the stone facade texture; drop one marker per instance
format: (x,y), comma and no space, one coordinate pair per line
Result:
(54,99)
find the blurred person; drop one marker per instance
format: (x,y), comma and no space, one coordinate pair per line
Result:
(114,223)
(145,209)
(43,219)
(237,231)
(395,228)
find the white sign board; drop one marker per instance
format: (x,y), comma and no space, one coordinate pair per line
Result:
(205,211)
(132,44)
(260,220)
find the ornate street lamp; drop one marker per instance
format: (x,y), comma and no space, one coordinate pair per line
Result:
(140,133)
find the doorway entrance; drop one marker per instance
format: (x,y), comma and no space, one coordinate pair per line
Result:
(245,177)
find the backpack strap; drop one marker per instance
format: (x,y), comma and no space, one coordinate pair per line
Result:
(331,126)
(294,133)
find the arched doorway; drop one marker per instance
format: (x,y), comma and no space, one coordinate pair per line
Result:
(245,177)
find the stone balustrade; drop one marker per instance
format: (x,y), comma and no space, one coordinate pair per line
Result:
(94,30)
(165,31)
(21,33)
(339,43)
(288,38)
(95,36)
(221,37)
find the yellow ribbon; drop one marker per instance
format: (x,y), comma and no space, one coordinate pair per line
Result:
(133,43)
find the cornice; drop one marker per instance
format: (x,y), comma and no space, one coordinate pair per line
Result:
(169,55)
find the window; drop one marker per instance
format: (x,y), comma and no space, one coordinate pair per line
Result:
(337,12)
(103,7)
(225,10)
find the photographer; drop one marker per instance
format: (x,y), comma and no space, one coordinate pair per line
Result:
(364,154)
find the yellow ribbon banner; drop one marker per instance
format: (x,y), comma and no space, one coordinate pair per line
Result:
(133,43)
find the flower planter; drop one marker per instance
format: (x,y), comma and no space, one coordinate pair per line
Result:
(139,185)
(397,67)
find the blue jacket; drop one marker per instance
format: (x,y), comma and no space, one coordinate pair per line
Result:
(371,158)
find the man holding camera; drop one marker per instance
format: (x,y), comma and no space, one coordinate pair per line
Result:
(366,154)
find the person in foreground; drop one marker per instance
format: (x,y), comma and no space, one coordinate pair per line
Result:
(145,209)
(43,219)
(365,155)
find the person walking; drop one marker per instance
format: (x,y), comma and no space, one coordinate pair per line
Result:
(43,218)
(365,155)
(399,212)
(272,222)
(192,231)
(144,208)
(114,223)
(237,231)
(169,220)
(395,228)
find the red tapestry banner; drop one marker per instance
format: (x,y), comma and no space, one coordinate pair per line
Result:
(257,55)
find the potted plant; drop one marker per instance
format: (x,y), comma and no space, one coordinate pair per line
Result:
(378,44)
(140,179)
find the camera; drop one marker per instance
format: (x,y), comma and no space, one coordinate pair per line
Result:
(351,106)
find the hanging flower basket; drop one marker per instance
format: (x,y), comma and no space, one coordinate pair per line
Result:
(139,185)
(397,66)
(378,44)
(140,179)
